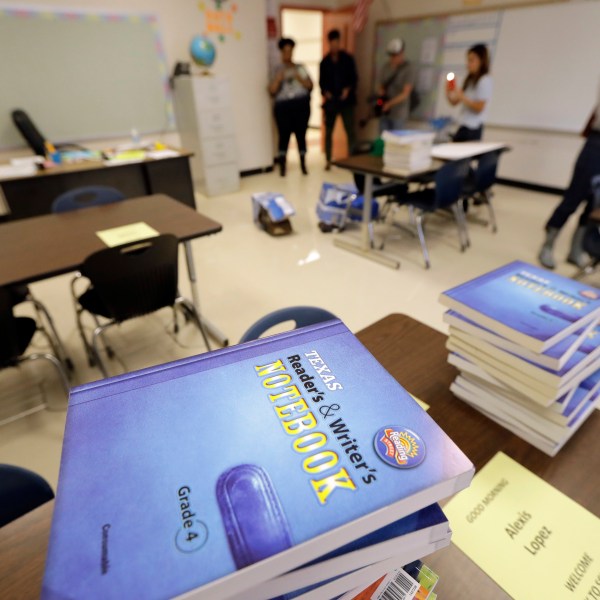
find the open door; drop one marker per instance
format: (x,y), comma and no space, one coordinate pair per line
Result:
(342,20)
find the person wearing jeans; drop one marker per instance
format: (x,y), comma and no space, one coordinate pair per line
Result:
(290,86)
(587,167)
(337,80)
(474,97)
(396,84)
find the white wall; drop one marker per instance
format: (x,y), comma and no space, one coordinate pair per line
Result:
(243,61)
(538,157)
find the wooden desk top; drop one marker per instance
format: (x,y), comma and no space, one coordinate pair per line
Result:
(89,165)
(373,165)
(416,356)
(41,247)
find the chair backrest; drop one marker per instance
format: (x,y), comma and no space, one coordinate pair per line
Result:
(449,182)
(21,491)
(9,341)
(301,315)
(137,278)
(485,173)
(84,197)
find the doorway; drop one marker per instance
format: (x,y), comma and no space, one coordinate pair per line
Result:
(308,28)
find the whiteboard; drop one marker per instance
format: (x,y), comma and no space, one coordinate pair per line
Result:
(547,67)
(545,61)
(82,75)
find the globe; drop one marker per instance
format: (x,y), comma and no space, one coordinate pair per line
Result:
(202,51)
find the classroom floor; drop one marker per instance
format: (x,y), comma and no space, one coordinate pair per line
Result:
(244,273)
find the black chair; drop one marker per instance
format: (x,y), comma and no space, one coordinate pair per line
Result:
(130,281)
(444,195)
(17,333)
(84,197)
(21,491)
(479,187)
(300,315)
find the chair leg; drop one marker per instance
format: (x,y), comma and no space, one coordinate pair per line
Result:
(488,200)
(98,334)
(461,226)
(191,309)
(109,351)
(57,365)
(389,220)
(88,349)
(421,233)
(54,339)
(411,215)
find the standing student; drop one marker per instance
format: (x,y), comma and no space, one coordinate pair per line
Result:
(474,97)
(396,84)
(586,168)
(290,86)
(337,80)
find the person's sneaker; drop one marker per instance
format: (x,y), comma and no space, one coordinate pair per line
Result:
(546,257)
(328,166)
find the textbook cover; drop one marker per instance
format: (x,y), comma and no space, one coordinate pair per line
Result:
(516,378)
(584,362)
(210,475)
(405,537)
(563,407)
(556,357)
(526,304)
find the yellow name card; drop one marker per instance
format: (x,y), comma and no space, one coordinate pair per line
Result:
(420,402)
(534,541)
(126,234)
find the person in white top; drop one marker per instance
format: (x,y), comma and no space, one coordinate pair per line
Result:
(474,97)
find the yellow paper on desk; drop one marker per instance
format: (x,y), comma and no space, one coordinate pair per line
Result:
(126,234)
(534,541)
(420,402)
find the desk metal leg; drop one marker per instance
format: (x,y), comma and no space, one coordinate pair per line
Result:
(364,248)
(213,330)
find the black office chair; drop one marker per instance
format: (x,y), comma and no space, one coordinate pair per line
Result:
(479,187)
(85,197)
(300,315)
(21,491)
(17,333)
(130,281)
(446,193)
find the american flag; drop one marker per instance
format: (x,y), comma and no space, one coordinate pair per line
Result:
(361,15)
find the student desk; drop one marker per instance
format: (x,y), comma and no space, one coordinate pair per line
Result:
(53,244)
(416,356)
(33,195)
(372,166)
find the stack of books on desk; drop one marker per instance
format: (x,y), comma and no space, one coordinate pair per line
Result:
(527,344)
(407,150)
(290,465)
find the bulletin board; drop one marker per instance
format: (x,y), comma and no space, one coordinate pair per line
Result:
(82,75)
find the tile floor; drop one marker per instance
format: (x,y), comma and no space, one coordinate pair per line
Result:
(243,274)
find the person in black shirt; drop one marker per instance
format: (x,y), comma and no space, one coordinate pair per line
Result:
(338,78)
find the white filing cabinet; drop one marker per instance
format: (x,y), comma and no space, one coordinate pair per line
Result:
(206,126)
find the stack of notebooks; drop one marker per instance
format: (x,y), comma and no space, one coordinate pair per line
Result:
(527,344)
(407,150)
(293,466)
